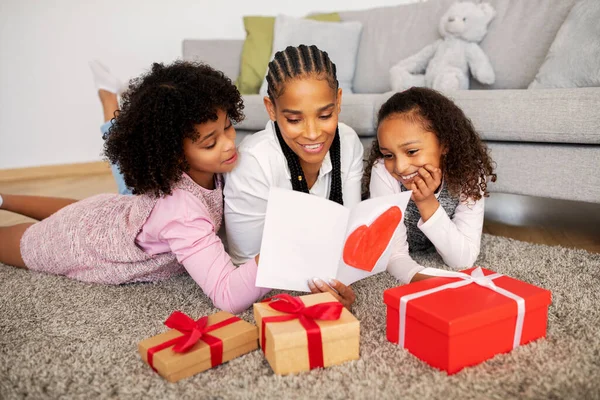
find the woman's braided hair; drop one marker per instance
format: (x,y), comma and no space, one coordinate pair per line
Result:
(292,63)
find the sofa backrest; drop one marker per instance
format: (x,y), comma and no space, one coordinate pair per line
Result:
(517,41)
(389,35)
(224,55)
(519,38)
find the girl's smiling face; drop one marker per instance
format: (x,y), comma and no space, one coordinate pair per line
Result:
(213,151)
(307,115)
(407,146)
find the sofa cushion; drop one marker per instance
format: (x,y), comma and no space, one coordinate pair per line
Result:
(547,170)
(255,112)
(257,49)
(574,57)
(339,39)
(222,54)
(359,111)
(517,41)
(389,35)
(519,37)
(551,115)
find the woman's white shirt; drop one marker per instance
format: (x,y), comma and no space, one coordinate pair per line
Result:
(261,166)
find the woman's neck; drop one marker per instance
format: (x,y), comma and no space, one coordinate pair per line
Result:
(311,173)
(204,179)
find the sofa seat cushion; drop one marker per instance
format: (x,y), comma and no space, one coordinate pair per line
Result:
(256,115)
(545,115)
(548,115)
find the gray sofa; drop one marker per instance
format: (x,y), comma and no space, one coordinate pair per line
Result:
(545,142)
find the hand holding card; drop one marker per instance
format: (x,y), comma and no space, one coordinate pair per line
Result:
(306,236)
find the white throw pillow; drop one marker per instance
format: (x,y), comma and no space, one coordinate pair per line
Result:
(339,39)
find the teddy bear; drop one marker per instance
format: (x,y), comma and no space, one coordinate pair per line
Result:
(446,62)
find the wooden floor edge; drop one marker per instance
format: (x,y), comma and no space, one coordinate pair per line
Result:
(54,171)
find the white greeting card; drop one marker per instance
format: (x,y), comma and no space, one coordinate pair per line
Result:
(306,236)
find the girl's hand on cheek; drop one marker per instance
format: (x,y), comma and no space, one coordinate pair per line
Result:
(344,294)
(426,183)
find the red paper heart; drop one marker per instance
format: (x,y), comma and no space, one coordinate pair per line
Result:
(366,244)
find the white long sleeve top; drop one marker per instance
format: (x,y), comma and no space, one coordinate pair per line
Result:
(456,240)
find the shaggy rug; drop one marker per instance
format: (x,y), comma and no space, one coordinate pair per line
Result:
(64,339)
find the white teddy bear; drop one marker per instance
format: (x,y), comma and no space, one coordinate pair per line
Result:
(447,61)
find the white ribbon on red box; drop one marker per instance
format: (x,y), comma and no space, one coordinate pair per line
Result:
(477,276)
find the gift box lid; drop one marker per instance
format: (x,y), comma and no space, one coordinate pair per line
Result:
(167,361)
(457,310)
(290,334)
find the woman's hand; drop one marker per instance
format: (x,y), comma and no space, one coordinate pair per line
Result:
(344,294)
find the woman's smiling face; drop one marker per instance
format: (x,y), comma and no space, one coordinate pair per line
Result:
(307,115)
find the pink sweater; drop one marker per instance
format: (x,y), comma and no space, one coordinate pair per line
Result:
(118,239)
(182,225)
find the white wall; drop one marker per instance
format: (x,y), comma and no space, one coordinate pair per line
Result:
(49,110)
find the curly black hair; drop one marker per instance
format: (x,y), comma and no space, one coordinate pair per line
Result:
(466,166)
(159,109)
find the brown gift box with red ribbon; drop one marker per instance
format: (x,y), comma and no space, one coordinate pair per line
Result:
(195,346)
(301,333)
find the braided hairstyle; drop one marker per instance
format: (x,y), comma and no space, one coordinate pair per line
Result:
(293,63)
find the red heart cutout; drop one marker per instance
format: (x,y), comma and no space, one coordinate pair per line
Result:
(366,244)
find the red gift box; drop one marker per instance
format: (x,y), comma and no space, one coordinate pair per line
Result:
(463,318)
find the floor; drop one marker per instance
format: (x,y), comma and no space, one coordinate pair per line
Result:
(530,219)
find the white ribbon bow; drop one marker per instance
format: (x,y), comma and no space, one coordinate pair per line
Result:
(478,277)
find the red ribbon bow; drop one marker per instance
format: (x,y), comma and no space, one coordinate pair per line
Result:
(193,331)
(296,309)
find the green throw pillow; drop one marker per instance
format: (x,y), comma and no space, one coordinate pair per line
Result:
(257,48)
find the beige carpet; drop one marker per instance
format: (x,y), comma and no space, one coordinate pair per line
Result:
(64,339)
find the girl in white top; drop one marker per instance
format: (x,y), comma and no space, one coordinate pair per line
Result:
(426,144)
(302,148)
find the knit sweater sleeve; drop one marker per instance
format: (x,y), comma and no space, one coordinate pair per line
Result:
(181,223)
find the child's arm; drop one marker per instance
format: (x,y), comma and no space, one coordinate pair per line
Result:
(401,264)
(181,224)
(458,240)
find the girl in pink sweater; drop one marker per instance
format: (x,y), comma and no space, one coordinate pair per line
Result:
(172,139)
